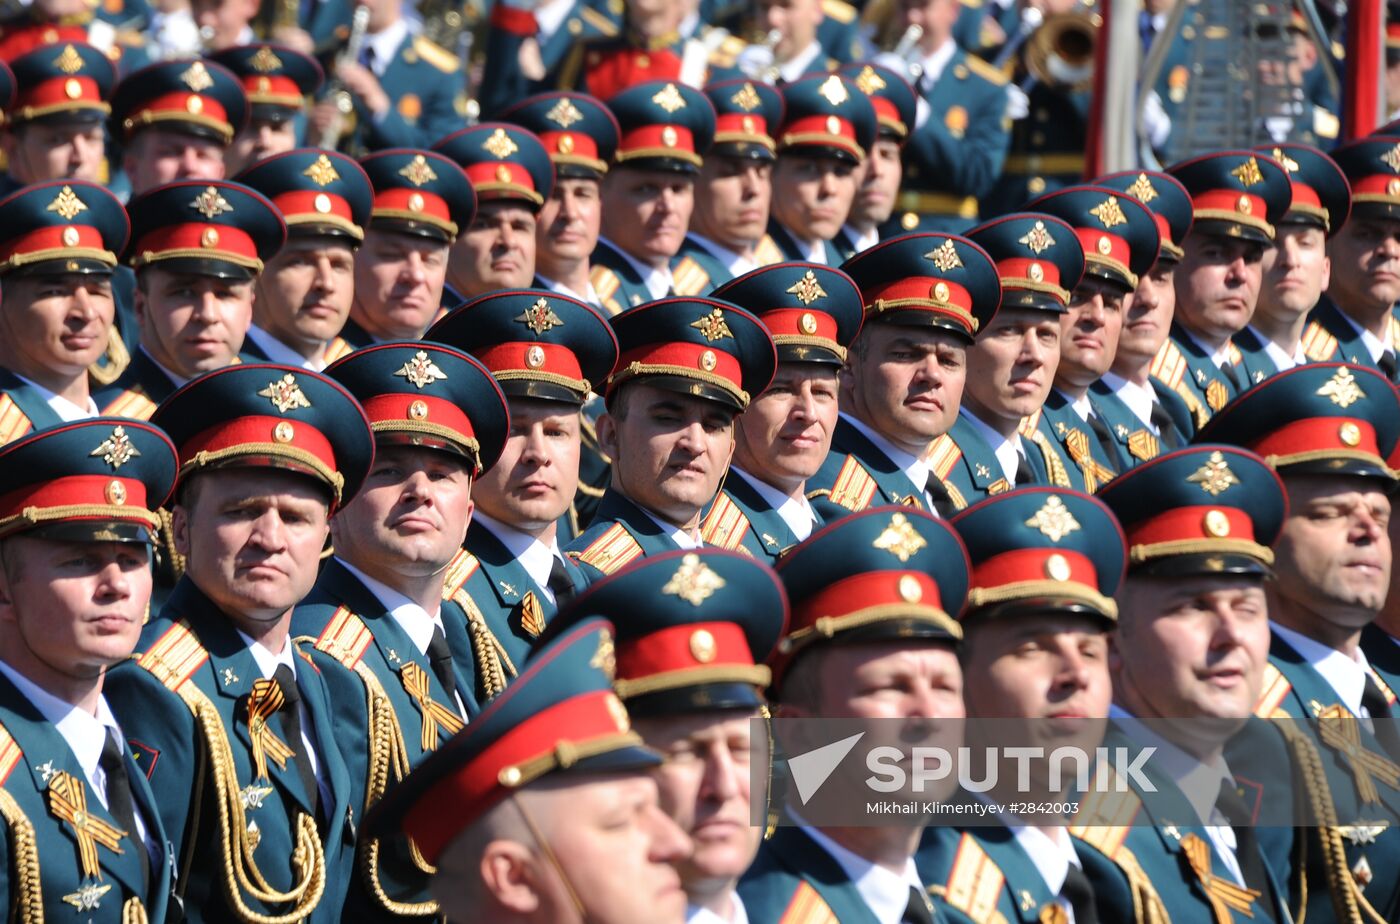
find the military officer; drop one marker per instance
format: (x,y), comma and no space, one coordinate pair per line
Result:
(691,671)
(227,710)
(512,175)
(1237,197)
(813,313)
(1296,270)
(688,367)
(1354,322)
(1011,364)
(649,193)
(422,201)
(955,152)
(546,807)
(197,248)
(174,120)
(277,81)
(827,129)
(874,598)
(581,137)
(883,171)
(389,647)
(1328,429)
(61,245)
(1034,650)
(406,91)
(734,191)
(54,126)
(1121,242)
(1193,645)
(302,298)
(1142,414)
(925,297)
(74,587)
(798,52)
(547,352)
(540,43)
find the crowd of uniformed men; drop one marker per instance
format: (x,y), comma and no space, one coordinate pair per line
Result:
(488,481)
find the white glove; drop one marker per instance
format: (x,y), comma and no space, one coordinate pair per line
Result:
(1155,121)
(755,61)
(1018,104)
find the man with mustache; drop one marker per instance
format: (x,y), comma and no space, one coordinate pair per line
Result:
(1012,363)
(925,297)
(1188,665)
(1045,565)
(1237,199)
(197,247)
(75,582)
(828,128)
(64,237)
(546,809)
(303,296)
(512,176)
(1121,242)
(649,194)
(422,201)
(782,439)
(687,368)
(385,639)
(1296,268)
(1328,429)
(879,177)
(264,825)
(691,671)
(546,352)
(1142,414)
(734,191)
(1354,322)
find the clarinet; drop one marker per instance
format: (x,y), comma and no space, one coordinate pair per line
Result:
(344,103)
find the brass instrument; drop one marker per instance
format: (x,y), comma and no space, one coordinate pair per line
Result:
(907,50)
(771,73)
(1060,54)
(337,93)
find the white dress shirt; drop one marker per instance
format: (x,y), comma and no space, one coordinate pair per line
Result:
(1140,399)
(279,352)
(591,296)
(885,892)
(861,240)
(1281,360)
(1376,346)
(796,512)
(383,45)
(1051,855)
(1346,676)
(694,914)
(797,66)
(534,556)
(680,537)
(66,410)
(657,279)
(908,463)
(1007,451)
(735,262)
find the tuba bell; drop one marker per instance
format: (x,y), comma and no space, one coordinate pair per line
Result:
(1060,53)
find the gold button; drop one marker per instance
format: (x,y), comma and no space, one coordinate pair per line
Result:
(909,589)
(702,646)
(1036,185)
(72,88)
(1105,245)
(669,137)
(1392,188)
(283,432)
(941,291)
(502,174)
(534,357)
(210,238)
(264,85)
(909,221)
(510,777)
(1036,272)
(194,105)
(1243,205)
(1350,433)
(643,61)
(415,202)
(565,144)
(1217,524)
(833,125)
(116,493)
(418,410)
(807,322)
(1057,567)
(70,236)
(708,361)
(322,203)
(747,124)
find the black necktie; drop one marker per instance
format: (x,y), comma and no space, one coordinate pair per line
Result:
(1080,895)
(440,660)
(291,728)
(1025,475)
(917,911)
(1166,427)
(942,503)
(559,582)
(1247,853)
(1381,718)
(1388,366)
(120,803)
(1101,434)
(1231,374)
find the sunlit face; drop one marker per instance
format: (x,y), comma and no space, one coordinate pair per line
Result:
(880,177)
(155,156)
(535,479)
(497,251)
(1366,255)
(1217,284)
(1147,320)
(50,150)
(569,224)
(1296,272)
(907,382)
(58,324)
(936,17)
(1049,665)
(812,196)
(1089,331)
(732,200)
(192,323)
(1012,364)
(647,212)
(785,434)
(398,284)
(796,20)
(262,138)
(670,451)
(305,292)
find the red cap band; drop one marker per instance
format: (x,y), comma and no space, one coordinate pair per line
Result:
(52,238)
(557,359)
(1231,200)
(792,321)
(70,92)
(95,490)
(1020,268)
(657,141)
(213,239)
(1023,565)
(1192,523)
(1319,434)
(415,201)
(863,591)
(924,294)
(260,429)
(303,202)
(673,649)
(426,408)
(570,144)
(182,104)
(687,356)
